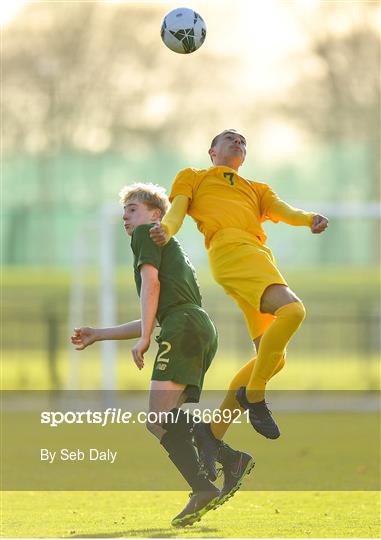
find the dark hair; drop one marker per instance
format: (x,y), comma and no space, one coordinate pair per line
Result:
(214,141)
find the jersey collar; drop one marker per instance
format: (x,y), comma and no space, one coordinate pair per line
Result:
(224,168)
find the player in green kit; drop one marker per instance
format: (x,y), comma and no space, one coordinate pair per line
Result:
(169,294)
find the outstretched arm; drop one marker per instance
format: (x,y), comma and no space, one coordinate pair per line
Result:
(281,211)
(278,210)
(162,232)
(149,301)
(86,335)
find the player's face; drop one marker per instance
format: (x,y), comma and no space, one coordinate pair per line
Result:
(230,147)
(136,213)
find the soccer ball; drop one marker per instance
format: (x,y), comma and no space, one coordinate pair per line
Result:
(183,30)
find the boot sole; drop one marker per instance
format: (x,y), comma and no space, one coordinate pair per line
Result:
(191,519)
(248,469)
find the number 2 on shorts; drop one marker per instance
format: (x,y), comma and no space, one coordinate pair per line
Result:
(167,348)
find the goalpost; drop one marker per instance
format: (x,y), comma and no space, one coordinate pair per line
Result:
(107,301)
(105,235)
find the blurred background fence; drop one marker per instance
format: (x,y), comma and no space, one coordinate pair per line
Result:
(338,345)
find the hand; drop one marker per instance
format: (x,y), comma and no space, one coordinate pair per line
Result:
(158,234)
(83,337)
(138,351)
(319,224)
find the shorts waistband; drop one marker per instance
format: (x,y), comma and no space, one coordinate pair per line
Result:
(232,234)
(180,307)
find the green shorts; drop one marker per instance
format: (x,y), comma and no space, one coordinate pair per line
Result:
(187,344)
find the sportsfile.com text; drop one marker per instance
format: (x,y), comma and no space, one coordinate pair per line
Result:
(114,415)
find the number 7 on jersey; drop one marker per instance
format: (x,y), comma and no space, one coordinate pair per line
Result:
(231,177)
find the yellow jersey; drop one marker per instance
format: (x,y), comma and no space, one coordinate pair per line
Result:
(220,198)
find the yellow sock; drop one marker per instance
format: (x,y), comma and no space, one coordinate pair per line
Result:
(272,346)
(230,403)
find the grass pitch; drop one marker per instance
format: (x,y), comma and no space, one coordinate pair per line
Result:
(148,515)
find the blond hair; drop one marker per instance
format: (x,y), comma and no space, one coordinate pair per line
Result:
(152,195)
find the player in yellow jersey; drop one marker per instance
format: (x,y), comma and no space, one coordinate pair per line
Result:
(229,211)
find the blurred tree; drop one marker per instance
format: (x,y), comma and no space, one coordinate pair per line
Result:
(336,98)
(95,76)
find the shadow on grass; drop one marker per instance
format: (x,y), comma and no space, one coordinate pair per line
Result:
(147,533)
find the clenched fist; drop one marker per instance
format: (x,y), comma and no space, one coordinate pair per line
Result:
(319,224)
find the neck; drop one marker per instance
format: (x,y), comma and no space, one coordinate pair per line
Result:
(235,165)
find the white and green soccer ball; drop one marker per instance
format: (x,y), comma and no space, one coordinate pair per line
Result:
(183,30)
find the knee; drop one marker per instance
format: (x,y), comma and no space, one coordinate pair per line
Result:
(301,311)
(152,423)
(296,312)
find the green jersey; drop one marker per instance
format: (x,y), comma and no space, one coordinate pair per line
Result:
(178,281)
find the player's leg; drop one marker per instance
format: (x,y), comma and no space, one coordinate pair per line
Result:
(230,404)
(164,396)
(175,435)
(280,301)
(235,464)
(185,335)
(247,269)
(257,323)
(289,313)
